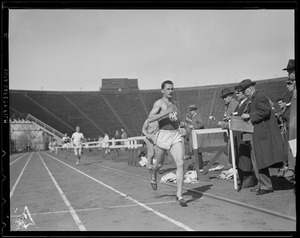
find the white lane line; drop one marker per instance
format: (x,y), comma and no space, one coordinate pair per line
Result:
(17,159)
(13,156)
(18,179)
(135,175)
(177,223)
(68,204)
(238,203)
(97,208)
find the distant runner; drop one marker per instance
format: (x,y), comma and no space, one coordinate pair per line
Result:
(77,139)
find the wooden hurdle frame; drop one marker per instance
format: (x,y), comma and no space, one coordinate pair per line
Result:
(131,144)
(221,149)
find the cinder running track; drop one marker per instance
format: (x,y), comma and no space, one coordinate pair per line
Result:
(108,195)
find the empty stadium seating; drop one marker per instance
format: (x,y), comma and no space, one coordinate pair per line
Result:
(105,112)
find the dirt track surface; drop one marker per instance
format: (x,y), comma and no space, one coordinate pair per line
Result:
(108,195)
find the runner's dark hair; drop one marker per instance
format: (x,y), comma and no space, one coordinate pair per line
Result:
(166,82)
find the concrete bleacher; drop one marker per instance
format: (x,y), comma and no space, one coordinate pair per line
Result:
(20,102)
(149,97)
(95,108)
(105,112)
(130,109)
(53,110)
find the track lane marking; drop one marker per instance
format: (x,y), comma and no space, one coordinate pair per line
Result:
(13,156)
(97,208)
(20,175)
(238,203)
(177,223)
(68,204)
(17,159)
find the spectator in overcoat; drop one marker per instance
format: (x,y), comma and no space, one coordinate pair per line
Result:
(267,145)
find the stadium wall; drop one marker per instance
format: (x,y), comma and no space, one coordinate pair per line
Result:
(99,112)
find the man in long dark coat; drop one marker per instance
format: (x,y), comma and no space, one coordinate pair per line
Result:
(243,149)
(267,143)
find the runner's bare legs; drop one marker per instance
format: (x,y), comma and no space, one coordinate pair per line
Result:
(177,153)
(160,157)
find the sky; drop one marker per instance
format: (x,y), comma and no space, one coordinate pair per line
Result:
(72,50)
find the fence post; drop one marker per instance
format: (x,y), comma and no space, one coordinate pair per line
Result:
(135,153)
(233,157)
(129,152)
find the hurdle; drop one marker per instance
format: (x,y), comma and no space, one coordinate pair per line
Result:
(133,149)
(203,176)
(131,144)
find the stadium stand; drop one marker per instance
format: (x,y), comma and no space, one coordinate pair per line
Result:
(20,101)
(93,105)
(110,110)
(130,110)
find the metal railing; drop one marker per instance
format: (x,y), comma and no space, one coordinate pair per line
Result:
(55,133)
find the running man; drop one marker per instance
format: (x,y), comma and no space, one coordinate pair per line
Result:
(168,137)
(65,143)
(77,139)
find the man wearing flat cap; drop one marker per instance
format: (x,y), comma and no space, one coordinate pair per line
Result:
(292,129)
(196,122)
(267,145)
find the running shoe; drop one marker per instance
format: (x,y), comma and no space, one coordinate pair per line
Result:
(182,201)
(153,182)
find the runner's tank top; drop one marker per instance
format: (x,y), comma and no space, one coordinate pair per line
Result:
(169,121)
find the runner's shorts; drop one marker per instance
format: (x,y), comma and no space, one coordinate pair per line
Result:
(64,146)
(77,149)
(166,138)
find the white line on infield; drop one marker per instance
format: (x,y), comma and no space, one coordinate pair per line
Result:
(17,159)
(98,208)
(177,223)
(18,179)
(68,204)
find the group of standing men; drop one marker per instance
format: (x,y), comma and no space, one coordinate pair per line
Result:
(264,148)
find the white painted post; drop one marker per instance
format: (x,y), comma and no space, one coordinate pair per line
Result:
(233,157)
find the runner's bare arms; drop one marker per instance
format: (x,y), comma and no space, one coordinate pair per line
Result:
(159,110)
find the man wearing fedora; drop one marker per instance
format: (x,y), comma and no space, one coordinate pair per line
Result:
(230,107)
(267,145)
(292,129)
(196,122)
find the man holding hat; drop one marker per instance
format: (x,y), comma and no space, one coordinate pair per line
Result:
(292,130)
(196,122)
(267,146)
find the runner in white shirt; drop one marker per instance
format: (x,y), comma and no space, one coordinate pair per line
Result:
(65,143)
(77,139)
